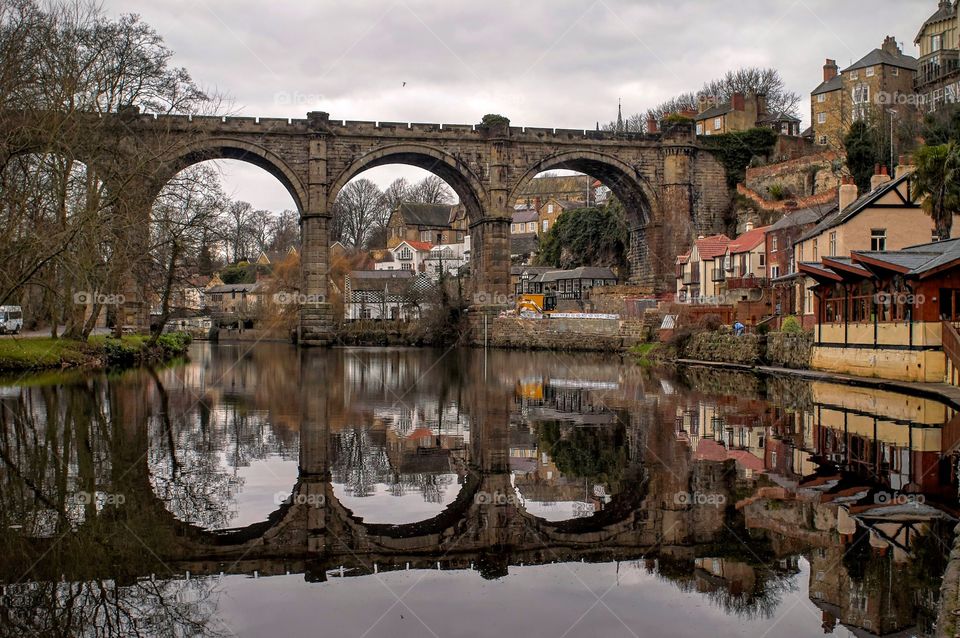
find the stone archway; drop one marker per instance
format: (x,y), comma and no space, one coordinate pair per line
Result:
(624,181)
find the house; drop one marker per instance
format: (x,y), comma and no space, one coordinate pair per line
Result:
(938,74)
(448,258)
(521,276)
(889,217)
(379,294)
(889,313)
(785,282)
(524,221)
(880,80)
(241,299)
(406,255)
(742,113)
(429,223)
(276,257)
(548,212)
(700,271)
(580,188)
(570,288)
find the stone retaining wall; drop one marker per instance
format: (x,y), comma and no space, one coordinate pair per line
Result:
(725,348)
(605,335)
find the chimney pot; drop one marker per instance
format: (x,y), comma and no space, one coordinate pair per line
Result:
(737,102)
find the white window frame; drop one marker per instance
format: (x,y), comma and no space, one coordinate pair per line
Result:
(550,208)
(855,74)
(823,140)
(531,227)
(822,98)
(545,225)
(699,128)
(717,123)
(833,244)
(878,239)
(870,72)
(773,245)
(822,117)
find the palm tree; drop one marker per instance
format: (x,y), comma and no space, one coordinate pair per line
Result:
(938,179)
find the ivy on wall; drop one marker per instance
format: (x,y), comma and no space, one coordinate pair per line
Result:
(736,150)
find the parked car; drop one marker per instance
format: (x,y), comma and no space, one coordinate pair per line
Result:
(11,319)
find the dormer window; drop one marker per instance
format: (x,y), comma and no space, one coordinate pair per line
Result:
(406,253)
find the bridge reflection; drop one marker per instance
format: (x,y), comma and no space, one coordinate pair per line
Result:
(721,484)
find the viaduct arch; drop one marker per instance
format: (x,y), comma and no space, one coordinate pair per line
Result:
(672,187)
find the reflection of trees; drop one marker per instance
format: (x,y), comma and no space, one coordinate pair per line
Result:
(194,455)
(102,608)
(597,453)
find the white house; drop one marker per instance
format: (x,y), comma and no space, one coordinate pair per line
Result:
(407,255)
(447,257)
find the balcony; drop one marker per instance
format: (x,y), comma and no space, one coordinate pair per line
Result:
(718,275)
(934,67)
(743,283)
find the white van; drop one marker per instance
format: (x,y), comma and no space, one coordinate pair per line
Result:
(11,319)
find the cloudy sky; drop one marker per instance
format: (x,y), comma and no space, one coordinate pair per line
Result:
(554,63)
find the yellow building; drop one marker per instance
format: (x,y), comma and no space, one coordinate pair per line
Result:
(939,64)
(700,272)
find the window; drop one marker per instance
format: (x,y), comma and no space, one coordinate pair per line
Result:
(717,123)
(545,225)
(773,245)
(405,253)
(823,140)
(774,271)
(870,72)
(699,128)
(822,118)
(878,239)
(513,228)
(822,98)
(531,227)
(364,313)
(854,75)
(936,42)
(894,71)
(861,101)
(763,260)
(550,209)
(833,244)
(816,251)
(406,266)
(459,236)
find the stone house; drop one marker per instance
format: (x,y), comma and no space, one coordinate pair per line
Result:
(865,90)
(581,189)
(432,223)
(549,211)
(238,299)
(938,75)
(700,271)
(889,217)
(741,113)
(524,222)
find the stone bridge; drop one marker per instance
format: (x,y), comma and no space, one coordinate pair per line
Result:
(672,188)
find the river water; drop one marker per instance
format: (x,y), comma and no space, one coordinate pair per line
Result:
(257,490)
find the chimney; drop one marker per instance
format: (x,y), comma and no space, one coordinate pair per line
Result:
(536,203)
(830,70)
(903,166)
(737,102)
(702,104)
(848,193)
(748,227)
(890,45)
(651,124)
(761,104)
(880,177)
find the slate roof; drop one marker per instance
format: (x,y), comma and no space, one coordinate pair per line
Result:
(583,272)
(782,116)
(524,243)
(748,240)
(375,280)
(714,111)
(842,216)
(834,84)
(524,216)
(802,216)
(229,288)
(879,56)
(920,259)
(436,215)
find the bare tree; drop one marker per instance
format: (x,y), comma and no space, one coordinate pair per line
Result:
(430,190)
(285,230)
(358,209)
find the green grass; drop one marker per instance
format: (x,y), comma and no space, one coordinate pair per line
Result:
(644,353)
(37,353)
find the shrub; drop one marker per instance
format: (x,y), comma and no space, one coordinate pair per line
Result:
(680,340)
(763,329)
(174,343)
(778,192)
(791,325)
(710,322)
(119,353)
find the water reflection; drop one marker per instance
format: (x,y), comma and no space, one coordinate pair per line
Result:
(127,501)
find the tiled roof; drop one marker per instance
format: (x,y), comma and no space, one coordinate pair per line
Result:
(419,246)
(748,240)
(714,111)
(712,246)
(782,116)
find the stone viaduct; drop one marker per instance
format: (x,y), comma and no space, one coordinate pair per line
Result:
(671,187)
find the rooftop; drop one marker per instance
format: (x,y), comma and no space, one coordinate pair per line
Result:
(748,240)
(888,54)
(435,215)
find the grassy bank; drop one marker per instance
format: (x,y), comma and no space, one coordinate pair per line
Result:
(39,353)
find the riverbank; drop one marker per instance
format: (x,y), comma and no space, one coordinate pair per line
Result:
(45,353)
